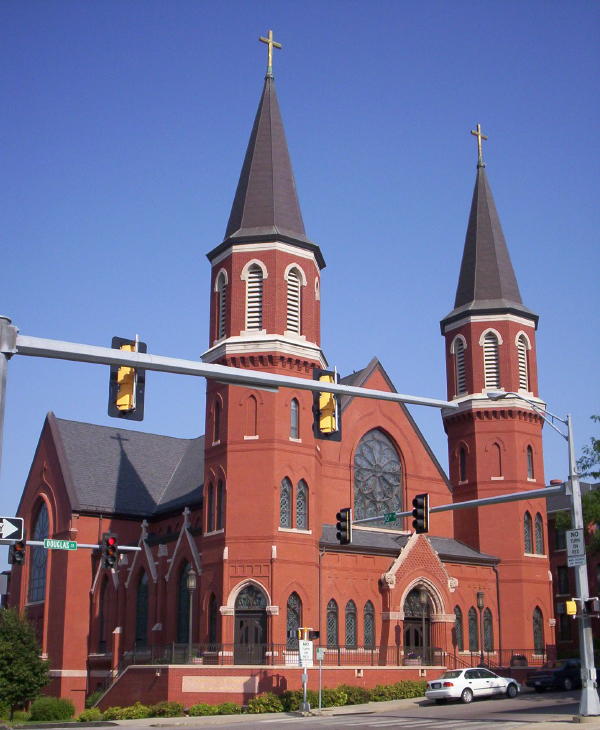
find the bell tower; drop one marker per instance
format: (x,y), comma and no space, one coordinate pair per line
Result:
(496,447)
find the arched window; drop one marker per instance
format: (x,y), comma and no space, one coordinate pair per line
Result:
(213,617)
(39,557)
(538,631)
(351,625)
(254,298)
(294,620)
(496,452)
(369,625)
(539,534)
(377,478)
(217,422)
(141,611)
(332,623)
(530,471)
(183,605)
(458,628)
(527,533)
(473,633)
(103,629)
(294,297)
(210,509)
(220,505)
(221,304)
(251,416)
(459,366)
(491,365)
(285,503)
(462,464)
(302,506)
(294,419)
(522,348)
(488,631)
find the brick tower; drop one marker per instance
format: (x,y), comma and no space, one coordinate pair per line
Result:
(496,447)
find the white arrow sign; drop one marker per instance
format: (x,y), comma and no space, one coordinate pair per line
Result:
(11,528)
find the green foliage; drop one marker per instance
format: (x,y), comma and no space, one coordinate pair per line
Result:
(167,709)
(133,712)
(48,709)
(355,695)
(229,708)
(22,672)
(399,691)
(267,702)
(92,714)
(588,463)
(202,709)
(92,698)
(291,699)
(332,697)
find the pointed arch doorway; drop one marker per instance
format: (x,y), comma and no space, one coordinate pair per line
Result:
(250,636)
(417,624)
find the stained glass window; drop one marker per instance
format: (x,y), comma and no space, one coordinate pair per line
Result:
(141,612)
(213,616)
(527,533)
(530,472)
(377,478)
(183,605)
(294,419)
(473,632)
(413,607)
(538,631)
(39,557)
(539,534)
(294,619)
(251,597)
(351,625)
(488,631)
(302,506)
(458,629)
(332,623)
(285,504)
(369,624)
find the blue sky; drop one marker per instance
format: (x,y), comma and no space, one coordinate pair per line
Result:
(122,138)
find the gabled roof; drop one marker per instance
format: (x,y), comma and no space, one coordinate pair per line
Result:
(487,283)
(113,470)
(265,207)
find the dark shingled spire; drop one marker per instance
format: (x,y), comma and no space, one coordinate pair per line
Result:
(265,207)
(487,283)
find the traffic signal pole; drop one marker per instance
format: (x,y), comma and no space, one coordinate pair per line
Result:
(8,340)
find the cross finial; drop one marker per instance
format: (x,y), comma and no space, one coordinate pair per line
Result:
(479,134)
(270,43)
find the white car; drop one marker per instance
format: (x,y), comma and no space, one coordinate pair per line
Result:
(468,684)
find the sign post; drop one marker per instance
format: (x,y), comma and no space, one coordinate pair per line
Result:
(320,657)
(305,653)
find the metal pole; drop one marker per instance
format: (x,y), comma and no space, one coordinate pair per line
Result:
(190,624)
(589,704)
(8,338)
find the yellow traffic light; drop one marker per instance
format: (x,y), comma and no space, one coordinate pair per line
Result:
(571,608)
(126,381)
(327,407)
(126,385)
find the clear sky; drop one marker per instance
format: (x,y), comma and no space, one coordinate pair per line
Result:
(122,137)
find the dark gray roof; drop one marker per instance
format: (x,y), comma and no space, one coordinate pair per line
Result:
(374,542)
(562,502)
(266,205)
(487,283)
(116,471)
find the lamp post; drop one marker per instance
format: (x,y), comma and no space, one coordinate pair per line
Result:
(589,704)
(480,605)
(191,586)
(423,602)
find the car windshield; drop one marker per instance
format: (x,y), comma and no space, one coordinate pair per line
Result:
(451,675)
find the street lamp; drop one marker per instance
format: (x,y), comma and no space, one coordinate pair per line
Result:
(480,605)
(191,586)
(589,703)
(423,602)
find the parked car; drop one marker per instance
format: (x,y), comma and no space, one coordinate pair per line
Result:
(469,684)
(561,674)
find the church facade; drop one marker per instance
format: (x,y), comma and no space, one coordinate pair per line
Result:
(236,528)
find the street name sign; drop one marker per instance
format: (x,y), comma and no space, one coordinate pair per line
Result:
(51,544)
(575,548)
(389,517)
(320,654)
(11,528)
(305,652)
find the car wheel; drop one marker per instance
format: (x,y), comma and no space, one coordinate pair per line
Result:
(512,691)
(567,684)
(466,696)
(440,701)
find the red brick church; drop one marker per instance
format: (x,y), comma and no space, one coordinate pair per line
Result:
(248,509)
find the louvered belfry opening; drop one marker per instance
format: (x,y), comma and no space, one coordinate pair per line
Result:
(294,302)
(459,354)
(221,305)
(523,365)
(254,298)
(490,361)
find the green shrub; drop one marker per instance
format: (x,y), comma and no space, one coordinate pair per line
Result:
(381,693)
(47,709)
(332,698)
(112,713)
(408,689)
(133,712)
(229,708)
(92,714)
(4,709)
(166,709)
(202,709)
(292,698)
(355,695)
(267,702)
(91,699)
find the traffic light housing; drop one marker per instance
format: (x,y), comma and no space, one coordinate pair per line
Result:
(327,423)
(571,608)
(16,553)
(421,513)
(344,526)
(127,385)
(592,605)
(110,550)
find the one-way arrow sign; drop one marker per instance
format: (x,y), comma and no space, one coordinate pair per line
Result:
(11,528)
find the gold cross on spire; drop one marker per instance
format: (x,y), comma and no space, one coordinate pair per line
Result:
(479,134)
(270,43)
